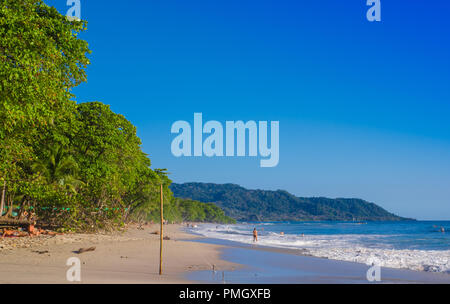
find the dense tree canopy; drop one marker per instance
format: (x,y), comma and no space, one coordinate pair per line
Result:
(41,60)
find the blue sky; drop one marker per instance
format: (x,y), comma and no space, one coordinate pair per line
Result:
(363,107)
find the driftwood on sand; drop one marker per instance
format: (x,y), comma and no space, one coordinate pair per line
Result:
(14,222)
(82,250)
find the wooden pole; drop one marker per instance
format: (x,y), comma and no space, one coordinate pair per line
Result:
(161,234)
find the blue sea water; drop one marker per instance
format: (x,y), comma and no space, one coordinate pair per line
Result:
(421,235)
(418,245)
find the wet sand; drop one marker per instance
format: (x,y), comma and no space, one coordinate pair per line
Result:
(265,265)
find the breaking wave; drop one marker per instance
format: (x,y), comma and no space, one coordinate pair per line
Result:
(360,248)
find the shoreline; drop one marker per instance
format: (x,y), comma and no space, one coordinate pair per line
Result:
(131,257)
(416,247)
(272,265)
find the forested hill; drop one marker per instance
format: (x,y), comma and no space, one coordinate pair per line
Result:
(261,205)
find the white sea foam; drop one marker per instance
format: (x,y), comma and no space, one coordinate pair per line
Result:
(344,247)
(422,260)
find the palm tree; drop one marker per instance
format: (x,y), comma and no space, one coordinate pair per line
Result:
(59,169)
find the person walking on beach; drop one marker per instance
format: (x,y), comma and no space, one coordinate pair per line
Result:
(255,235)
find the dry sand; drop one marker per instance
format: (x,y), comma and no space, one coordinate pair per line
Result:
(129,257)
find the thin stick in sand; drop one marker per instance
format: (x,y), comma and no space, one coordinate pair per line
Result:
(161,238)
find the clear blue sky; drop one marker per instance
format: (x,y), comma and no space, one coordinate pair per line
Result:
(363,107)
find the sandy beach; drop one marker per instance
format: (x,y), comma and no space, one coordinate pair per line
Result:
(133,257)
(128,257)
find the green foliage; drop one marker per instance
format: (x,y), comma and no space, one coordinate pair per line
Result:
(58,167)
(183,210)
(41,59)
(260,205)
(194,211)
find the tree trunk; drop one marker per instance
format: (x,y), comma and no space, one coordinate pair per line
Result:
(2,204)
(10,209)
(22,208)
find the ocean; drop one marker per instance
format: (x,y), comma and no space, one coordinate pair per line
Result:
(411,245)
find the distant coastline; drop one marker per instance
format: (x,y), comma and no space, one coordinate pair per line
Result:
(262,205)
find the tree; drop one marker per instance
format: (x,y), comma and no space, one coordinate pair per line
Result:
(58,168)
(41,60)
(2,199)
(107,150)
